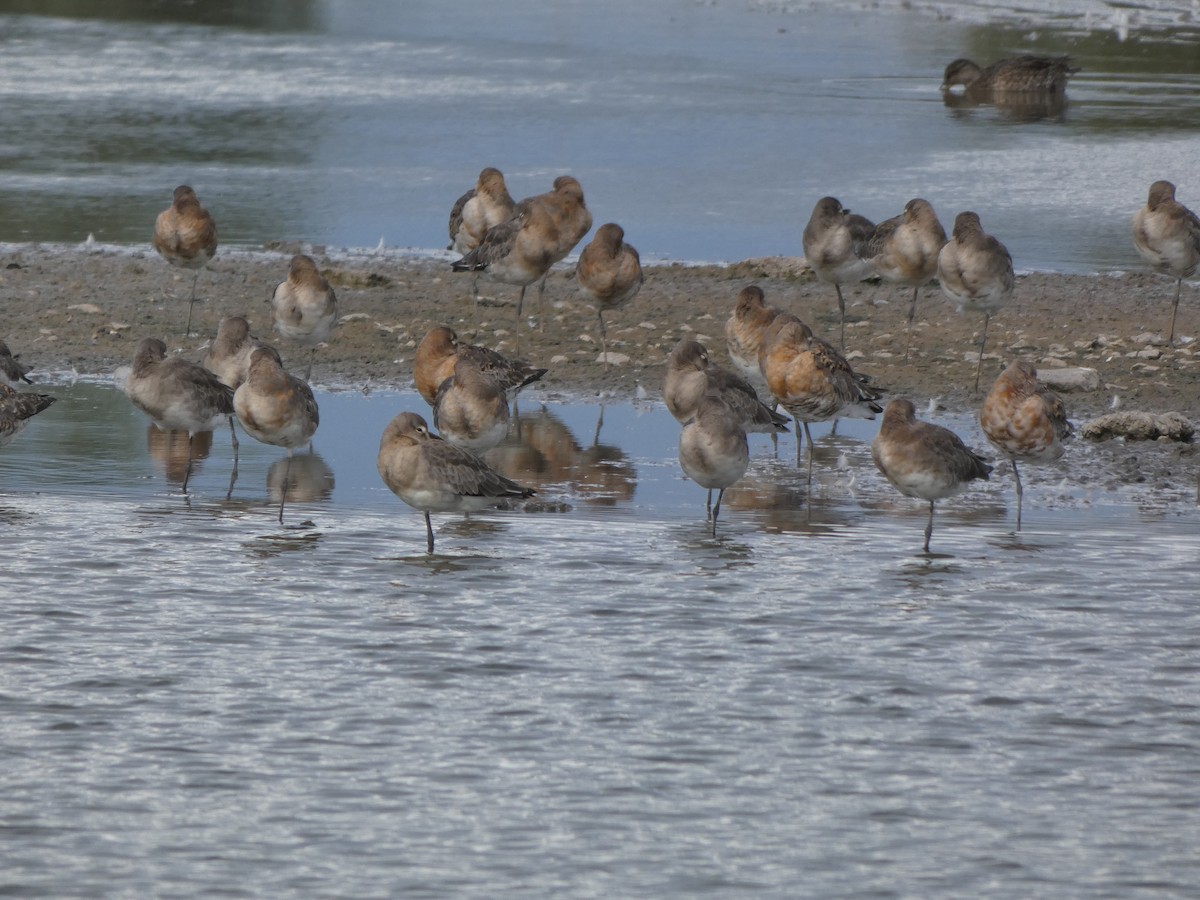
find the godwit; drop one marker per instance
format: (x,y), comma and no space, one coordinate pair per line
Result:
(305,306)
(1024,420)
(923,460)
(713,450)
(832,241)
(1167,234)
(185,235)
(432,475)
(976,272)
(609,273)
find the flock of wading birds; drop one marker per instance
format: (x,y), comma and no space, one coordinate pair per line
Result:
(469,387)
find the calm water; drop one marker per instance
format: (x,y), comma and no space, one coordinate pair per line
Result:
(707,130)
(592,697)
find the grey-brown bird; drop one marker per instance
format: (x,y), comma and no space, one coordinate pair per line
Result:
(833,240)
(923,460)
(17,408)
(185,235)
(482,207)
(228,357)
(179,395)
(1167,235)
(609,272)
(1024,420)
(976,271)
(432,475)
(713,451)
(304,306)
(903,250)
(691,376)
(276,407)
(542,230)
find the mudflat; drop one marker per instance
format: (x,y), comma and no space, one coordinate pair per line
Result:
(85,309)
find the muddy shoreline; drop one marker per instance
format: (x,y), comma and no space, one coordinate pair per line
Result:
(83,310)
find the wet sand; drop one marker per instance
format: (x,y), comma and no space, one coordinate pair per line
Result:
(86,310)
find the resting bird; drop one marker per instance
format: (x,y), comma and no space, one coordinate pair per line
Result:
(185,235)
(433,476)
(923,460)
(1024,420)
(541,231)
(832,241)
(1167,235)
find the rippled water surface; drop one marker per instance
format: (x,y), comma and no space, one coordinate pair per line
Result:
(592,696)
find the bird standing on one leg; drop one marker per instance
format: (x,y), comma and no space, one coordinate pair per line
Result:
(609,274)
(832,241)
(904,249)
(1024,420)
(179,395)
(185,235)
(304,306)
(276,407)
(713,450)
(1167,234)
(923,460)
(432,475)
(976,272)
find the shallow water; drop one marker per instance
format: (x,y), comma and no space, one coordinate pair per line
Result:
(707,130)
(592,697)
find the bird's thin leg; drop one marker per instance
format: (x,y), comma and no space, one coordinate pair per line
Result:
(428,534)
(603,337)
(912,312)
(287,471)
(929,527)
(841,312)
(311,357)
(521,300)
(799,438)
(716,511)
(982,344)
(808,437)
(1174,310)
(541,303)
(708,508)
(187,473)
(234,474)
(187,331)
(1017,478)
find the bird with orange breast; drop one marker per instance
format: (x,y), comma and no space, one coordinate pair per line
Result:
(541,231)
(1024,420)
(185,235)
(440,352)
(609,272)
(1167,235)
(744,330)
(811,380)
(976,272)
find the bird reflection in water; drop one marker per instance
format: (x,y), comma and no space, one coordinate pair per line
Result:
(541,450)
(1019,107)
(170,451)
(308,479)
